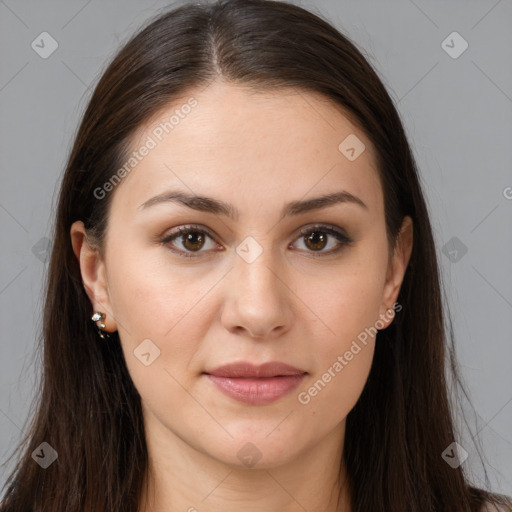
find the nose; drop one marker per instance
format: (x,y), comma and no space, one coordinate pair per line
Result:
(259,297)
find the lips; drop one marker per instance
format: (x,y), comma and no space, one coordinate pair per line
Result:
(245,369)
(256,385)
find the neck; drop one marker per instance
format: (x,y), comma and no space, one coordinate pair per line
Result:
(181,478)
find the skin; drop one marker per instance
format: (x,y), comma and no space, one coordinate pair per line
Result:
(257,151)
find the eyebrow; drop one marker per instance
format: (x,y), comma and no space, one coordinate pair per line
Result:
(217,207)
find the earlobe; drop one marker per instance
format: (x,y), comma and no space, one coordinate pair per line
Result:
(93,273)
(397,269)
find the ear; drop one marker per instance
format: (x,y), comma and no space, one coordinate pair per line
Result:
(396,271)
(93,272)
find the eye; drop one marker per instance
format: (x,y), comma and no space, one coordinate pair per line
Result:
(193,239)
(316,238)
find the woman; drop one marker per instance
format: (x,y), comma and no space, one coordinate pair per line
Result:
(243,307)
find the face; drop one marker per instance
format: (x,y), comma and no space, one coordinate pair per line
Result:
(247,283)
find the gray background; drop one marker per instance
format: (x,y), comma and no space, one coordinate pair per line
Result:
(458,116)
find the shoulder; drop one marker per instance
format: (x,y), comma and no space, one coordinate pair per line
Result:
(502,503)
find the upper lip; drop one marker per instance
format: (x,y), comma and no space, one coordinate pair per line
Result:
(246,369)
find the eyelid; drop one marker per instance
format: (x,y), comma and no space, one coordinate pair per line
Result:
(329,228)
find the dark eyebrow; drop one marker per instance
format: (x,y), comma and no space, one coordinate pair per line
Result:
(217,207)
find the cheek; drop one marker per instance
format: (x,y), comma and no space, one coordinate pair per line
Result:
(157,316)
(343,353)
(329,396)
(150,296)
(348,307)
(349,301)
(159,312)
(346,348)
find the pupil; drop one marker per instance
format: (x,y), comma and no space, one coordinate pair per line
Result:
(190,238)
(317,245)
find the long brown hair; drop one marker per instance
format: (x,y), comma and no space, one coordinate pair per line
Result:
(88,409)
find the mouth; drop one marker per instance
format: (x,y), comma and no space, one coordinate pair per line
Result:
(245,369)
(256,385)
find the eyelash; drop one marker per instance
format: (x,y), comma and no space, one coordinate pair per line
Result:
(343,239)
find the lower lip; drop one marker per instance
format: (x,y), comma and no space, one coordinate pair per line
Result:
(257,391)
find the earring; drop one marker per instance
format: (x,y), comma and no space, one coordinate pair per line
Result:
(98,316)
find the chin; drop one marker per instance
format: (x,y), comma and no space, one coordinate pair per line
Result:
(256,452)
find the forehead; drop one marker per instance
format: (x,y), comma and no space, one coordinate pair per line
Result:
(232,141)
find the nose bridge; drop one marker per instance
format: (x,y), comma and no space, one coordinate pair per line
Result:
(255,266)
(258,300)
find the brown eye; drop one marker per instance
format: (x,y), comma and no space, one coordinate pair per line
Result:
(192,241)
(316,240)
